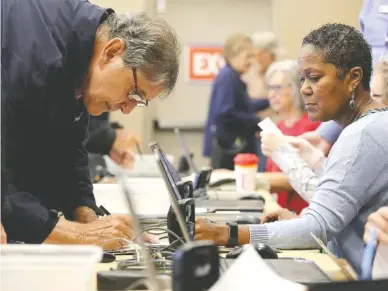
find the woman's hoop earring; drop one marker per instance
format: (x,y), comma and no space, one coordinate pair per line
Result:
(352,103)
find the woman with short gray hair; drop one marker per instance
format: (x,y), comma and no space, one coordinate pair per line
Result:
(286,100)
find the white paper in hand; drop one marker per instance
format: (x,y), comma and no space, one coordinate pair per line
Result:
(267,125)
(250,272)
(380,264)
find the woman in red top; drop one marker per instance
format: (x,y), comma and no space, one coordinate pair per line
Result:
(285,99)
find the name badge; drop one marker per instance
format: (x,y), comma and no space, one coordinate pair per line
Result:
(383,9)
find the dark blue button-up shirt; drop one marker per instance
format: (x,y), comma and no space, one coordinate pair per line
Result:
(231,112)
(46,49)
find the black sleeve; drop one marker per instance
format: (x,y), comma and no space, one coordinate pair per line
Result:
(79,183)
(101,135)
(23,216)
(229,114)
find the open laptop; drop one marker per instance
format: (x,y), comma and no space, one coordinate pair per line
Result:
(251,206)
(297,270)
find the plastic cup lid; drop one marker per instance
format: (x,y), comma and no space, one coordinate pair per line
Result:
(246,159)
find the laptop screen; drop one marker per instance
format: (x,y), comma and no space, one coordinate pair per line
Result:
(172,188)
(169,167)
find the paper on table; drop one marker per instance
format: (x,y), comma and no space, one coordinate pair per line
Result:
(380,264)
(250,272)
(267,125)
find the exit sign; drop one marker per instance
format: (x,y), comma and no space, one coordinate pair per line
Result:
(204,62)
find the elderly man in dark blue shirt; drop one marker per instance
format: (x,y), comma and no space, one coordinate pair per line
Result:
(62,60)
(232,113)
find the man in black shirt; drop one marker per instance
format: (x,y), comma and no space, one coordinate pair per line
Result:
(62,60)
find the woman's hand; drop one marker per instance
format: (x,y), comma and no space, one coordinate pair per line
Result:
(206,230)
(279,214)
(310,154)
(378,220)
(271,142)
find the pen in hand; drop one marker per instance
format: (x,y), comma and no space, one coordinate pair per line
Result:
(103,209)
(369,255)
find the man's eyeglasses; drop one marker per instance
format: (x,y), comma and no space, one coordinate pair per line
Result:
(135,94)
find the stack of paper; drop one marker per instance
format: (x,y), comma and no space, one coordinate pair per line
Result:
(250,272)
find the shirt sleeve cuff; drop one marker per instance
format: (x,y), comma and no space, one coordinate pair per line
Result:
(258,233)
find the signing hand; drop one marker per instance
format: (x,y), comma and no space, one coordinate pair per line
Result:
(279,214)
(84,214)
(107,231)
(206,230)
(378,220)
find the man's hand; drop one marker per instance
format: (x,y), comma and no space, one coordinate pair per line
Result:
(206,230)
(121,152)
(378,220)
(125,158)
(279,214)
(125,140)
(3,235)
(109,232)
(84,214)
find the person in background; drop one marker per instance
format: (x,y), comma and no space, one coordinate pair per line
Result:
(70,59)
(379,221)
(379,83)
(232,113)
(335,65)
(373,25)
(267,51)
(286,100)
(109,139)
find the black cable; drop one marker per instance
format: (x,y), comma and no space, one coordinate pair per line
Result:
(173,243)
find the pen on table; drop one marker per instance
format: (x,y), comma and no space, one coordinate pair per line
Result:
(139,150)
(103,209)
(369,255)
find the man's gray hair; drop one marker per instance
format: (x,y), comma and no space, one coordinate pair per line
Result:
(290,69)
(151,46)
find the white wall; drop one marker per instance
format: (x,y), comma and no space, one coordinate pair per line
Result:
(205,21)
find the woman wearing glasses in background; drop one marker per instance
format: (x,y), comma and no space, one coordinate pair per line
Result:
(286,100)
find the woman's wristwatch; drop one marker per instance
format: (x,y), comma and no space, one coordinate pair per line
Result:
(233,234)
